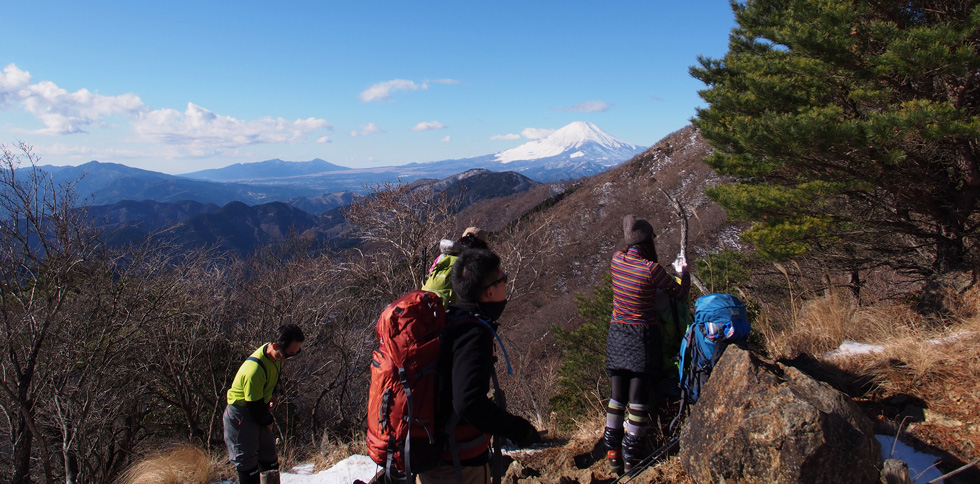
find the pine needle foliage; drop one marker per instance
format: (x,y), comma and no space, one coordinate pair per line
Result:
(582,380)
(851,130)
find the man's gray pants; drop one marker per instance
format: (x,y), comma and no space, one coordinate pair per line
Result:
(248,442)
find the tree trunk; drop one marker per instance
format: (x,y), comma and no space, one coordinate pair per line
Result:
(22,452)
(855,285)
(950,253)
(71,467)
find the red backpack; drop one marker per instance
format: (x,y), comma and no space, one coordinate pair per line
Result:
(401,432)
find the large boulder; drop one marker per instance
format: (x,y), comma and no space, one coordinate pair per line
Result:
(759,421)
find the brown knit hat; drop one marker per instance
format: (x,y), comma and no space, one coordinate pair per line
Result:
(636,230)
(476,232)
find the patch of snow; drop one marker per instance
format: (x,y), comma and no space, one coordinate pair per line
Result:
(920,464)
(730,238)
(355,467)
(952,338)
(577,154)
(849,348)
(303,469)
(603,193)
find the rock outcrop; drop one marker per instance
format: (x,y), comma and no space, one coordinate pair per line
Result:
(759,421)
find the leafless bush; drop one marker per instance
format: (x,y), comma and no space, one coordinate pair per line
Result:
(183,464)
(73,312)
(403,224)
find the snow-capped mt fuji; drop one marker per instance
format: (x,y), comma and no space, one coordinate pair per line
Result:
(577,141)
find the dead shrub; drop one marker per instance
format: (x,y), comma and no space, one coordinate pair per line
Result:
(183,464)
(968,309)
(334,449)
(821,325)
(824,323)
(882,323)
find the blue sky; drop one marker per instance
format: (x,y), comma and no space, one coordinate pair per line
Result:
(183,86)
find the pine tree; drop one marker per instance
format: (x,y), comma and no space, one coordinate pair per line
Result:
(850,129)
(582,380)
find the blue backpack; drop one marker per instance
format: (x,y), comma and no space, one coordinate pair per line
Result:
(719,320)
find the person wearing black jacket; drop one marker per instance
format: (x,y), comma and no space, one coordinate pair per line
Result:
(247,418)
(466,366)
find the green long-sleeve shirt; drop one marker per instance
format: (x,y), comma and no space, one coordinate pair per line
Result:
(253,382)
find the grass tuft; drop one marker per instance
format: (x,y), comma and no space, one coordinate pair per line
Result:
(183,464)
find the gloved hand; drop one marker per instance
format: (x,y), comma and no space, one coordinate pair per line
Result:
(680,264)
(529,436)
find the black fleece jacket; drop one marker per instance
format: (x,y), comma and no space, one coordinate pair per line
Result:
(465,366)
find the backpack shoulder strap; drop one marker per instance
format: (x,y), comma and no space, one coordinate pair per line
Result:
(264,370)
(475,317)
(261,365)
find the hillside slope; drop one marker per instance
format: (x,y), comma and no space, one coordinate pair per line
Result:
(557,240)
(585,216)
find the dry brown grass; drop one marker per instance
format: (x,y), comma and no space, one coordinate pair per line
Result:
(669,470)
(823,323)
(335,449)
(181,464)
(935,361)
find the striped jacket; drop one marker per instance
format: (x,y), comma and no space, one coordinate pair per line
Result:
(635,281)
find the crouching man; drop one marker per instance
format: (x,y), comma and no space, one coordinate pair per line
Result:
(248,418)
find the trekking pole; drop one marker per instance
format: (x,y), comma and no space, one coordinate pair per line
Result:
(684,217)
(648,461)
(498,441)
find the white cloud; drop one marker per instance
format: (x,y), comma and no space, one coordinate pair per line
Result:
(536,133)
(509,136)
(588,107)
(203,132)
(429,126)
(12,80)
(194,132)
(382,91)
(366,129)
(62,112)
(446,139)
(324,139)
(61,149)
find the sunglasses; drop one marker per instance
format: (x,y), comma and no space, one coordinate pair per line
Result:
(498,281)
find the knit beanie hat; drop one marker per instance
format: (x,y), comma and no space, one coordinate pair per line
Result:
(477,233)
(636,230)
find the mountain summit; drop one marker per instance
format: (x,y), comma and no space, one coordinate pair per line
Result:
(576,140)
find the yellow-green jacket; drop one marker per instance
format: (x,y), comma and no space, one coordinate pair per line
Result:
(254,383)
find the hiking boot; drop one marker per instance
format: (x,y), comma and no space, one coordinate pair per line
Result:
(250,476)
(615,461)
(632,451)
(613,438)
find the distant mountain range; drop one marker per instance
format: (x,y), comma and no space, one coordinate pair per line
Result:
(105,183)
(576,150)
(241,228)
(317,186)
(244,172)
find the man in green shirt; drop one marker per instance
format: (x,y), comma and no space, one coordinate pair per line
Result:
(248,420)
